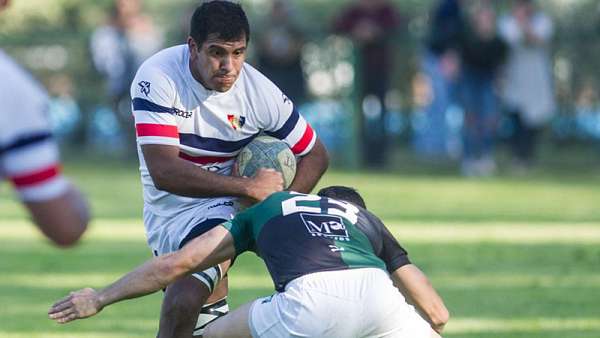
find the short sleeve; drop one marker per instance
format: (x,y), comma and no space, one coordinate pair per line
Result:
(385,245)
(284,121)
(240,228)
(153,96)
(29,157)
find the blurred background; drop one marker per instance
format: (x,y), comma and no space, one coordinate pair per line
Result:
(446,81)
(472,128)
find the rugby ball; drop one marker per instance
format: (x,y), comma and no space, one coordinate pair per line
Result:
(267,152)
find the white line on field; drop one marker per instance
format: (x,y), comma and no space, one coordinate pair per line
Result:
(417,232)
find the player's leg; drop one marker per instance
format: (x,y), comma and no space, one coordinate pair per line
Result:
(234,324)
(182,311)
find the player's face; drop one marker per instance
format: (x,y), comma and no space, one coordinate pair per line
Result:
(217,63)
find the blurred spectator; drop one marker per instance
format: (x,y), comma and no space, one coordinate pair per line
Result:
(482,54)
(587,111)
(528,90)
(371,25)
(118,48)
(279,51)
(65,114)
(441,64)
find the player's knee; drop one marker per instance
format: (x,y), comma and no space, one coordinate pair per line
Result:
(181,307)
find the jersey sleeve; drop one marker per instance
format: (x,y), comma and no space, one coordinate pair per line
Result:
(29,157)
(153,96)
(240,228)
(285,122)
(385,245)
(32,164)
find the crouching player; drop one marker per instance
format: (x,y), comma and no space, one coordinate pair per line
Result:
(333,263)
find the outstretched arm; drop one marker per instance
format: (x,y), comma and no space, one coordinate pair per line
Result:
(417,289)
(203,252)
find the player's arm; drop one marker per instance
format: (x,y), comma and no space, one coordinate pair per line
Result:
(210,249)
(310,168)
(417,290)
(31,162)
(409,280)
(171,173)
(64,218)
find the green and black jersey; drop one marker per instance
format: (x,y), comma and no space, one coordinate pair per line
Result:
(297,234)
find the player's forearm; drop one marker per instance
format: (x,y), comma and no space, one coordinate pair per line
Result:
(310,169)
(415,286)
(185,179)
(150,277)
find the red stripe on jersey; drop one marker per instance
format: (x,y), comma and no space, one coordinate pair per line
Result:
(36,177)
(304,141)
(204,159)
(164,130)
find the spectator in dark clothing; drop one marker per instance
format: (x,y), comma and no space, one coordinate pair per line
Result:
(482,54)
(371,25)
(280,52)
(441,65)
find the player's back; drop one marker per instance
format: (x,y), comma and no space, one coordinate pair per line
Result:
(297,234)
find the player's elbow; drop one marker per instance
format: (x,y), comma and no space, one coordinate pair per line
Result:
(439,317)
(63,219)
(68,237)
(162,177)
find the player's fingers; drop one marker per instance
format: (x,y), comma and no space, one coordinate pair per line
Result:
(61,301)
(68,318)
(62,314)
(60,307)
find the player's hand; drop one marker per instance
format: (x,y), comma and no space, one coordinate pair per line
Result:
(77,305)
(264,183)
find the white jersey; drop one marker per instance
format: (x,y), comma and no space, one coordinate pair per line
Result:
(209,128)
(28,155)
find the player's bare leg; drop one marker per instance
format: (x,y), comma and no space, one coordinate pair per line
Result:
(183,302)
(234,324)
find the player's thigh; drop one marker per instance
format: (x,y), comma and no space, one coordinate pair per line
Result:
(186,294)
(234,324)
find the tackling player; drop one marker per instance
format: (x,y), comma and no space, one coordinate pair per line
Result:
(29,157)
(195,107)
(329,259)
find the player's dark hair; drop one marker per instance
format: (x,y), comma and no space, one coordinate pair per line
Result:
(224,18)
(338,192)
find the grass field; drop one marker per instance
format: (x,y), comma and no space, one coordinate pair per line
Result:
(512,257)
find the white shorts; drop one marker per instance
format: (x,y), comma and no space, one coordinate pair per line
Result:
(169,234)
(347,303)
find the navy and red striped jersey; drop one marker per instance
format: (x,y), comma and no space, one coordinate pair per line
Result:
(209,128)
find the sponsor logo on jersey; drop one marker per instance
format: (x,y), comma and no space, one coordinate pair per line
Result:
(144,87)
(237,122)
(325,226)
(181,113)
(222,204)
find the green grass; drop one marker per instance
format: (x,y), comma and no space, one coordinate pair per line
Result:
(512,257)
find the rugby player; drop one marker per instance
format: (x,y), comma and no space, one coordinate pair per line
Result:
(329,259)
(195,106)
(29,157)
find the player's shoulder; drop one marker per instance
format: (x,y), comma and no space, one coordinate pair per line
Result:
(25,102)
(166,63)
(255,81)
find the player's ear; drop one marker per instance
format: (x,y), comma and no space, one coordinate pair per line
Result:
(193,47)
